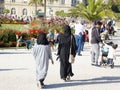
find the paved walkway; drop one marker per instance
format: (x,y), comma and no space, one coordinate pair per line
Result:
(17,72)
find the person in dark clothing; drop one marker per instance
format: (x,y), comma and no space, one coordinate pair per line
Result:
(24,38)
(95,39)
(65,42)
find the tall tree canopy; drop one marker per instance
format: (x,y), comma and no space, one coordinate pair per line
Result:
(40,2)
(95,10)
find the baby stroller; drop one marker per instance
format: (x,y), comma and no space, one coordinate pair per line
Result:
(104,59)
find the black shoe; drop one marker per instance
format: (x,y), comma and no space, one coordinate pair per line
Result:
(71,74)
(64,79)
(96,65)
(92,64)
(68,77)
(79,54)
(42,83)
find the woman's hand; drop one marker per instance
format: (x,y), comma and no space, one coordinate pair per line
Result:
(52,61)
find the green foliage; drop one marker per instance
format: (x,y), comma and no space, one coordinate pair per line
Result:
(39,2)
(7,35)
(15,27)
(12,36)
(5,38)
(95,10)
(39,25)
(45,25)
(116,8)
(5,20)
(72,30)
(61,13)
(6,11)
(118,16)
(119,7)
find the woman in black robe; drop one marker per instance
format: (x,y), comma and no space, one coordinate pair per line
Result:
(66,41)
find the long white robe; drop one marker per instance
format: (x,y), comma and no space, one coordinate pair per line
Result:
(42,54)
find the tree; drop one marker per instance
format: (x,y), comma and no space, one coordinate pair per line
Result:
(115,1)
(36,3)
(40,2)
(95,10)
(115,5)
(6,11)
(85,2)
(61,13)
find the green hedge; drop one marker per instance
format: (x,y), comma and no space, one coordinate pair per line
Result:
(7,37)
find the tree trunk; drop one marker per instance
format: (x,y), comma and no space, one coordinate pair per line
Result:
(35,9)
(45,8)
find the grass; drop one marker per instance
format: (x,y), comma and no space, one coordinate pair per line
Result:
(19,27)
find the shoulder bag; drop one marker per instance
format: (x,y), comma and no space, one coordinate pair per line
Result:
(71,57)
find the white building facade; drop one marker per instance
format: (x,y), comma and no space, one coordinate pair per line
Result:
(22,7)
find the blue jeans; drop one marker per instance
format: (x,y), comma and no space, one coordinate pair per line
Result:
(82,42)
(29,44)
(110,61)
(78,39)
(82,46)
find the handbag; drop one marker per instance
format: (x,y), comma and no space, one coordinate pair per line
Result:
(71,57)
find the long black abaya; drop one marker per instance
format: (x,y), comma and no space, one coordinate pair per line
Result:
(65,42)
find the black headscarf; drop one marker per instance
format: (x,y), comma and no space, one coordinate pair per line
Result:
(67,30)
(42,39)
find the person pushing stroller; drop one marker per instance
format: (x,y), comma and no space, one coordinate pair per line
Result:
(108,54)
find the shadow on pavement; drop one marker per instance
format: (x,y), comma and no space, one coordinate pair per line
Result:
(15,52)
(13,69)
(71,83)
(116,38)
(117,66)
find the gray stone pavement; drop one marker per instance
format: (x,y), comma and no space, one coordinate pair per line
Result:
(17,72)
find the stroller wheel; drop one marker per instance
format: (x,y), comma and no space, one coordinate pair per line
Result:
(112,66)
(101,63)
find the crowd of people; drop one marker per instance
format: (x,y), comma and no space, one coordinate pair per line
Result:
(23,18)
(67,43)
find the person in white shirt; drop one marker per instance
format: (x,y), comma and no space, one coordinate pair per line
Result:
(72,24)
(111,54)
(79,32)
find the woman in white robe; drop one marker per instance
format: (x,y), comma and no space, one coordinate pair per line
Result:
(42,54)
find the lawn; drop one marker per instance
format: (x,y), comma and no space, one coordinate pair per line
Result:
(19,27)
